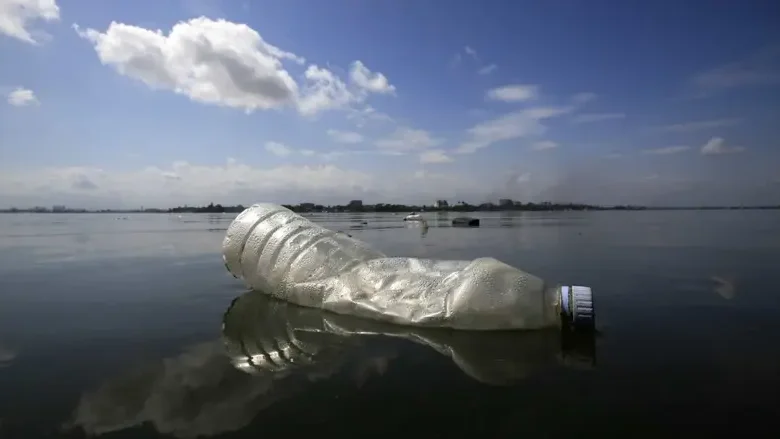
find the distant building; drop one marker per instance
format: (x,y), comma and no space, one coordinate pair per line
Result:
(355,204)
(439,204)
(58,208)
(307,207)
(506,202)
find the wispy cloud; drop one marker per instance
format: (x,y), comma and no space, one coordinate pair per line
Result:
(759,68)
(471,53)
(701,125)
(349,137)
(16,17)
(597,117)
(435,156)
(667,150)
(583,98)
(488,69)
(281,150)
(405,139)
(278,149)
(515,125)
(717,146)
(360,116)
(513,93)
(544,145)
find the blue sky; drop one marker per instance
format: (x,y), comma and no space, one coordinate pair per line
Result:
(116,103)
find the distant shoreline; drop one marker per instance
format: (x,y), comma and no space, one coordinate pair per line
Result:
(399,209)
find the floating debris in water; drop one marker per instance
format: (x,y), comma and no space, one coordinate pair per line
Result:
(465,221)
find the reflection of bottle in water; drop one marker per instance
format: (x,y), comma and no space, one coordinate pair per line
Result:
(274,250)
(265,335)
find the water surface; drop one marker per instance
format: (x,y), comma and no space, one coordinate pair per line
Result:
(128,326)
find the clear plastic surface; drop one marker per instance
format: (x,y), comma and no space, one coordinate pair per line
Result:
(278,252)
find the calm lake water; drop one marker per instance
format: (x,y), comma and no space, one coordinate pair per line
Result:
(130,327)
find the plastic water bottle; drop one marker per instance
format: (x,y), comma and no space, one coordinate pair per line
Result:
(278,252)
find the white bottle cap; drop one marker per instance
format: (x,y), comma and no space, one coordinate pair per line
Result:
(577,306)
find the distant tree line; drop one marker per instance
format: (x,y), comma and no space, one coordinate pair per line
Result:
(211,208)
(460,206)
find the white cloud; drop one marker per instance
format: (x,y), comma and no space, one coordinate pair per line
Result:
(22,97)
(513,93)
(406,139)
(278,149)
(223,63)
(597,117)
(435,156)
(350,137)
(488,69)
(16,16)
(667,150)
(470,52)
(689,127)
(544,145)
(324,91)
(518,124)
(717,145)
(371,81)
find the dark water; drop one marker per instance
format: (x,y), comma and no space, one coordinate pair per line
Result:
(128,328)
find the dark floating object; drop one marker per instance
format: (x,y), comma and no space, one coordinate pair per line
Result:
(465,221)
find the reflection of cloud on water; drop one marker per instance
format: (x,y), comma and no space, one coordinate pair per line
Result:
(199,392)
(725,287)
(192,394)
(6,356)
(722,285)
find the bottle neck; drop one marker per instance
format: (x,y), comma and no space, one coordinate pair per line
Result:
(553,311)
(577,338)
(574,305)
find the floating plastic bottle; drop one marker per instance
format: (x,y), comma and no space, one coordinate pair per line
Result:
(278,252)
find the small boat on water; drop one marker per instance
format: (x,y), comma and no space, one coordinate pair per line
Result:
(414,216)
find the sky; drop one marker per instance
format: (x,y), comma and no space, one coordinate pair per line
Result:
(119,104)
